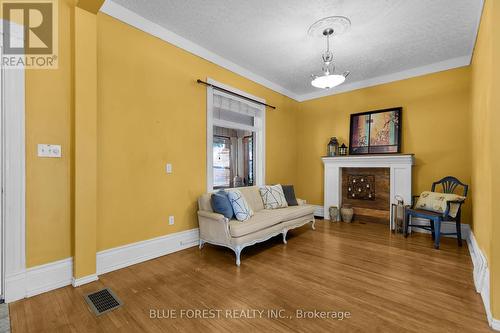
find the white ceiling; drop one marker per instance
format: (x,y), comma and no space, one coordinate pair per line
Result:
(388,40)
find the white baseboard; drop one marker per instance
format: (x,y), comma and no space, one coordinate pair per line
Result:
(127,255)
(15,287)
(57,274)
(48,277)
(84,280)
(39,279)
(318,211)
(481,275)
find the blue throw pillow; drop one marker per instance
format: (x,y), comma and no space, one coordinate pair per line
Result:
(221,204)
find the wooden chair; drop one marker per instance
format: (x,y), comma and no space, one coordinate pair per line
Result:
(448,185)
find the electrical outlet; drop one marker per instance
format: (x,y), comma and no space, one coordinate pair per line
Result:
(45,150)
(168,168)
(171,220)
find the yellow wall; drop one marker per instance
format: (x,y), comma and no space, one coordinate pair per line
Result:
(486,158)
(152,112)
(85,143)
(49,105)
(495,245)
(435,128)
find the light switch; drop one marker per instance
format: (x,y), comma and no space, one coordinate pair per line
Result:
(168,168)
(45,150)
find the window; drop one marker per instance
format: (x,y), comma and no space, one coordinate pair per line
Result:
(222,162)
(248,167)
(235,139)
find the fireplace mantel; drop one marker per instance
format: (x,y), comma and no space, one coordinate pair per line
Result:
(400,166)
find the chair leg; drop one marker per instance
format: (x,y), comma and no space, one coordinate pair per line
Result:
(459,233)
(406,223)
(432,230)
(437,231)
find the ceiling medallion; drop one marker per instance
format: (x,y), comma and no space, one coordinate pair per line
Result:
(327,28)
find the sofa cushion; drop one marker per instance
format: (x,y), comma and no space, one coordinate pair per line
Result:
(259,221)
(221,204)
(289,192)
(252,196)
(273,197)
(295,212)
(242,211)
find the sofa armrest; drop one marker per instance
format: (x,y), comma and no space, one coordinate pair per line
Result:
(214,227)
(301,202)
(213,216)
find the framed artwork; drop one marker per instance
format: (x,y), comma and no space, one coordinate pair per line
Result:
(376,132)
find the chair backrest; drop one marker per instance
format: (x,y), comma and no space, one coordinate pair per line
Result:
(449,184)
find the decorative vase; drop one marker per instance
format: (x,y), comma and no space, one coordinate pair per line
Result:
(334,214)
(347,213)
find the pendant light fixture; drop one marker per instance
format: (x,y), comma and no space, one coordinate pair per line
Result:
(327,28)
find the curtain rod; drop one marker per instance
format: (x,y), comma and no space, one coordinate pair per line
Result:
(233,93)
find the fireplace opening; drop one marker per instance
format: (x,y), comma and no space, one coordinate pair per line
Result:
(367,190)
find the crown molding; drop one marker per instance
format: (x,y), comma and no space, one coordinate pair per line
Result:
(407,74)
(131,18)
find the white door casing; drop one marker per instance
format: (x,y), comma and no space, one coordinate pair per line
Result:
(13,105)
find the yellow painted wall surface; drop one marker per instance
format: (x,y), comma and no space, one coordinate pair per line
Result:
(482,127)
(85,143)
(495,245)
(486,158)
(150,112)
(48,183)
(435,128)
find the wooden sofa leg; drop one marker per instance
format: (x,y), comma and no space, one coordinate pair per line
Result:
(201,244)
(284,236)
(313,224)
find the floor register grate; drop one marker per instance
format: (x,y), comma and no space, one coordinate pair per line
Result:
(103,301)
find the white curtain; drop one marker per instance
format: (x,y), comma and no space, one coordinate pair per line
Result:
(234,109)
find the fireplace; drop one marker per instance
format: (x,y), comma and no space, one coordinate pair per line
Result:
(377,208)
(367,190)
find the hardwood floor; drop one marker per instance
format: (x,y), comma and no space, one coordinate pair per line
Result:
(386,282)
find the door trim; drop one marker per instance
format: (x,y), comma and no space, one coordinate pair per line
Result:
(15,180)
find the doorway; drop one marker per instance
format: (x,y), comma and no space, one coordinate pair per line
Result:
(2,182)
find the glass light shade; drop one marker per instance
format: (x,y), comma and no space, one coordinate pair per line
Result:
(328,81)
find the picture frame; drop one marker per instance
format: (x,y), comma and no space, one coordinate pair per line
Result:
(376,132)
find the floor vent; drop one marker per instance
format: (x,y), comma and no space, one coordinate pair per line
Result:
(103,301)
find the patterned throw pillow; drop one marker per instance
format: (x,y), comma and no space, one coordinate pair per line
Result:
(242,210)
(273,197)
(437,202)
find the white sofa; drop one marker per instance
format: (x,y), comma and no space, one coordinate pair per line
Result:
(266,223)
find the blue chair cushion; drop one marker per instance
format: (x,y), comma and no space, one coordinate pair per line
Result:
(221,204)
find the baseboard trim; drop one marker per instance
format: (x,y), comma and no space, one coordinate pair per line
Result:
(319,211)
(131,254)
(54,275)
(84,280)
(481,276)
(40,279)
(15,287)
